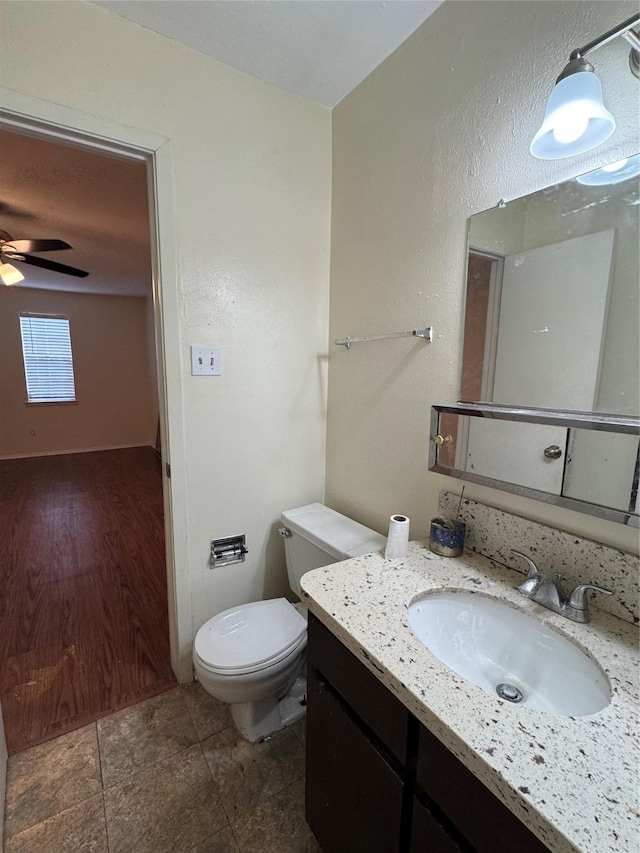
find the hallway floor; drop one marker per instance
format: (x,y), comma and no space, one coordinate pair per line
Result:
(83,598)
(169,775)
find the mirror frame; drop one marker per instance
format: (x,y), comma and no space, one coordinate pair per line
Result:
(580,420)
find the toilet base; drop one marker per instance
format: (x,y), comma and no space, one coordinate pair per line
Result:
(257,720)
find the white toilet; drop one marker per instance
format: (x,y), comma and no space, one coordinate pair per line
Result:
(252,656)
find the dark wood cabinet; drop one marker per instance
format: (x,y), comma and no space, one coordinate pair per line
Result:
(427,834)
(477,814)
(355,797)
(378,781)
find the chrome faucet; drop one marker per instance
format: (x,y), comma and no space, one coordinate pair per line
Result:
(547,591)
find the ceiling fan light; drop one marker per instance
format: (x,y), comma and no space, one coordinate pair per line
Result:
(575,121)
(10,275)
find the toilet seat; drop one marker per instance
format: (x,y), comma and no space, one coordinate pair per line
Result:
(251,637)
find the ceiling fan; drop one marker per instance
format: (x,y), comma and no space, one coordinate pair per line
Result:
(20,252)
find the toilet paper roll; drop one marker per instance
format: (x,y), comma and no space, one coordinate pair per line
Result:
(397,538)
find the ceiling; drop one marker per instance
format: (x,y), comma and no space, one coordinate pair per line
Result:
(95,202)
(320,49)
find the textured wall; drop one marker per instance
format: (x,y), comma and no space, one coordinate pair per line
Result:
(251,174)
(439,131)
(114,402)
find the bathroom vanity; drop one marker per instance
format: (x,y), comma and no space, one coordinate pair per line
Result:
(406,755)
(378,780)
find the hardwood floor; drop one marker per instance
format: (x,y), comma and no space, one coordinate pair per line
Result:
(83,597)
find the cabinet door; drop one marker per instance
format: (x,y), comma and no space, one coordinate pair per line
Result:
(380,711)
(427,836)
(353,796)
(480,817)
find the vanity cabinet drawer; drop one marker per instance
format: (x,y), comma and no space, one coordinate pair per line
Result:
(353,795)
(477,813)
(376,706)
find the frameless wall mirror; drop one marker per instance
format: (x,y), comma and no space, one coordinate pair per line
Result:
(586,462)
(552,330)
(552,305)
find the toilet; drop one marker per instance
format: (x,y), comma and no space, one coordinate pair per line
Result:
(252,656)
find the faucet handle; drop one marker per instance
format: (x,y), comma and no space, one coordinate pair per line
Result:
(578,598)
(532,569)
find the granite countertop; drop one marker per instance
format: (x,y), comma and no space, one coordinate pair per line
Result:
(572,780)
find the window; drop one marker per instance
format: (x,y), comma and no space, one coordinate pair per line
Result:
(48,362)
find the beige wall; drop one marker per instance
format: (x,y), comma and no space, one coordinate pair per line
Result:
(251,182)
(439,131)
(114,396)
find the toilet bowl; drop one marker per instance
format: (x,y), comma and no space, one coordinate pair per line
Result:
(249,657)
(253,656)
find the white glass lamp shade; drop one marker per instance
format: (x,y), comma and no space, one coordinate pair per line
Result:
(575,121)
(9,274)
(614,173)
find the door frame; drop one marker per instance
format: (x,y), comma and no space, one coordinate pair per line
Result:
(34,117)
(490,346)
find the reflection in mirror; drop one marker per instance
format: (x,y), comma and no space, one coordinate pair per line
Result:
(589,463)
(552,308)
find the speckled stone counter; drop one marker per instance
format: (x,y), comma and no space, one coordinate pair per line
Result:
(572,780)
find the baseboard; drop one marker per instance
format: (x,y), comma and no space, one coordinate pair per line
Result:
(79,450)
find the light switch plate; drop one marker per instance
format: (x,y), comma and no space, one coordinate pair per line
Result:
(205,361)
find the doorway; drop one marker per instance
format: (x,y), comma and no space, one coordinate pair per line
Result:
(156,163)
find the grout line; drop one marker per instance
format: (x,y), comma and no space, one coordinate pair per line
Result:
(235,837)
(146,767)
(104,802)
(106,823)
(266,802)
(99,756)
(215,784)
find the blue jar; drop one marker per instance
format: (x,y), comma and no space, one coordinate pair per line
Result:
(445,539)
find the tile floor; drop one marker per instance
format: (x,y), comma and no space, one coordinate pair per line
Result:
(170,774)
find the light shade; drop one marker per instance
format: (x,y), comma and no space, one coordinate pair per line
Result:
(614,173)
(575,121)
(9,274)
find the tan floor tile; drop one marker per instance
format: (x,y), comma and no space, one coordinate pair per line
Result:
(222,842)
(278,825)
(209,715)
(137,737)
(50,777)
(79,829)
(247,773)
(167,808)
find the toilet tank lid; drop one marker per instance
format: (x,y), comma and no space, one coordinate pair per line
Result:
(333,532)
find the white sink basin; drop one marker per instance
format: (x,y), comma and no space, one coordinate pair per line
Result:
(493,644)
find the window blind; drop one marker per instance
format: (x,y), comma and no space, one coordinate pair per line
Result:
(48,361)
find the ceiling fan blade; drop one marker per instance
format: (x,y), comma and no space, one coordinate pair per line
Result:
(47,265)
(23,247)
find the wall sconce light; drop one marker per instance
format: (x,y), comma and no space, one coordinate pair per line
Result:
(576,120)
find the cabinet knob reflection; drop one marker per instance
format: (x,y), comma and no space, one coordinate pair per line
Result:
(445,439)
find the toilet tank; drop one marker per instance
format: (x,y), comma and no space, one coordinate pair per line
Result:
(321,536)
